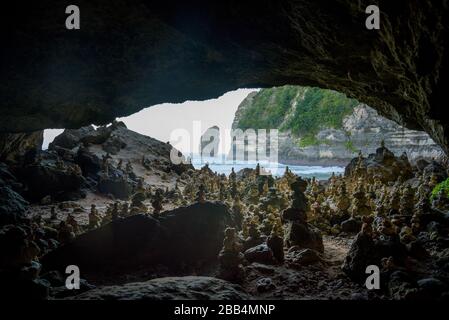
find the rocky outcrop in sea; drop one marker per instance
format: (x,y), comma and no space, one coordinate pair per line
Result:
(210,140)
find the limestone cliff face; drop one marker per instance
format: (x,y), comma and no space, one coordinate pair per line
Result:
(362,129)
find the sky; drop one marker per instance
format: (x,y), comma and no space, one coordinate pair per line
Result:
(182,124)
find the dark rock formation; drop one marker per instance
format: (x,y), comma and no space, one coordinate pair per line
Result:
(70,139)
(132,54)
(361,255)
(170,288)
(304,236)
(19,271)
(187,235)
(383,165)
(297,257)
(8,179)
(47,179)
(12,206)
(261,254)
(351,225)
(119,187)
(89,148)
(89,163)
(367,251)
(276,244)
(18,148)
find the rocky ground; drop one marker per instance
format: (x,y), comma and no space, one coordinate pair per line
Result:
(110,201)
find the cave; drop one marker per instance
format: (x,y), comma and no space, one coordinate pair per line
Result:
(128,55)
(59,78)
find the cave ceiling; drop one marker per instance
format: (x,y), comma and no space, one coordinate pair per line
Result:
(129,55)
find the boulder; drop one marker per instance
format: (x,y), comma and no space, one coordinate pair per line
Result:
(12,206)
(276,244)
(361,254)
(7,179)
(351,225)
(5,174)
(367,251)
(45,179)
(304,236)
(89,163)
(261,254)
(120,187)
(72,138)
(16,247)
(169,288)
(391,246)
(184,236)
(302,257)
(431,288)
(383,165)
(400,286)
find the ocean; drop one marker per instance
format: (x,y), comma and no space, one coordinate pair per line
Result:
(222,165)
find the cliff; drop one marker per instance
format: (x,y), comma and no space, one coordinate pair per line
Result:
(324,127)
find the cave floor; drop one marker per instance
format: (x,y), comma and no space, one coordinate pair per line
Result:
(323,280)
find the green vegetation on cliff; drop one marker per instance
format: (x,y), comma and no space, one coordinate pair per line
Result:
(301,110)
(441,187)
(319,109)
(268,108)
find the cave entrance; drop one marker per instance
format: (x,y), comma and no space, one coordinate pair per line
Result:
(318,131)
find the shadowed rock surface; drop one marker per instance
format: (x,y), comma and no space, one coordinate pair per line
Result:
(12,206)
(170,288)
(21,147)
(186,235)
(132,54)
(384,165)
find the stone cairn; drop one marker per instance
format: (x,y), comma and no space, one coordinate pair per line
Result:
(298,232)
(231,258)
